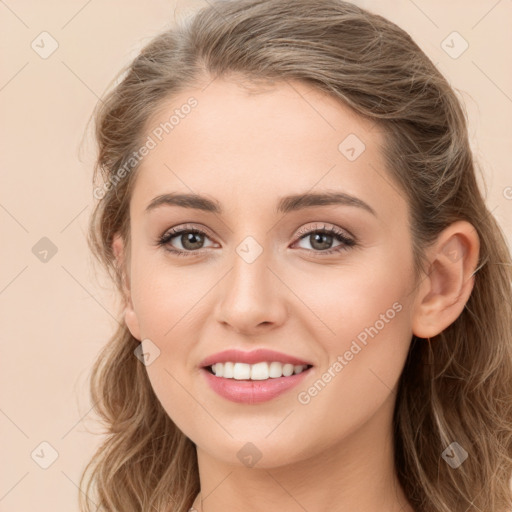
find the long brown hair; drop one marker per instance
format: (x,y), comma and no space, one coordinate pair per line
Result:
(455,387)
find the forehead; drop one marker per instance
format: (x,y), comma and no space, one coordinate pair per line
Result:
(248,145)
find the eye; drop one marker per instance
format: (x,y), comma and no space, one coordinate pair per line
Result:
(321,240)
(191,240)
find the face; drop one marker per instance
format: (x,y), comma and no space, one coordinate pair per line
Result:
(328,282)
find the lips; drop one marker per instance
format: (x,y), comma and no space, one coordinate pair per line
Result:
(252,357)
(252,392)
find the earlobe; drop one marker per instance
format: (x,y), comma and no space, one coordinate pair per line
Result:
(132,321)
(130,317)
(445,290)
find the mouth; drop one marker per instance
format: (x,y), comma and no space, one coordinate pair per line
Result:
(253,384)
(253,377)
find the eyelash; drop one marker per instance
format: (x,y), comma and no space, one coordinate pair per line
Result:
(347,243)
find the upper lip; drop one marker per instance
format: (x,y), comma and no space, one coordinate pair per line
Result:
(252,357)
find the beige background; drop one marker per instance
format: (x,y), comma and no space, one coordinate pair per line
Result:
(56,315)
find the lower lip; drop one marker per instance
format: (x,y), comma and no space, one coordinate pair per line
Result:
(252,391)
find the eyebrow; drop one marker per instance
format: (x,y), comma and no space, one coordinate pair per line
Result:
(285,204)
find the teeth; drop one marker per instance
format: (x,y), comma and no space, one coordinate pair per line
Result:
(258,371)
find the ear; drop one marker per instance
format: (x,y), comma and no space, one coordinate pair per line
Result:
(443,293)
(130,316)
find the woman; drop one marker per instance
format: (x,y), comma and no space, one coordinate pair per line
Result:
(316,298)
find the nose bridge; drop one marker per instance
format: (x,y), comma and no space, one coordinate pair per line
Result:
(250,295)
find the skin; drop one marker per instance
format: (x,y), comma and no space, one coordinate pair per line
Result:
(247,150)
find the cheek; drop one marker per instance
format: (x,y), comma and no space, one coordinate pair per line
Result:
(367,314)
(354,299)
(162,295)
(167,302)
(364,355)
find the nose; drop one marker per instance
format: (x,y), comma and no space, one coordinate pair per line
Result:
(252,297)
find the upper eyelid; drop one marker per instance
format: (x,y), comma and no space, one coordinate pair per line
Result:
(332,228)
(175,231)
